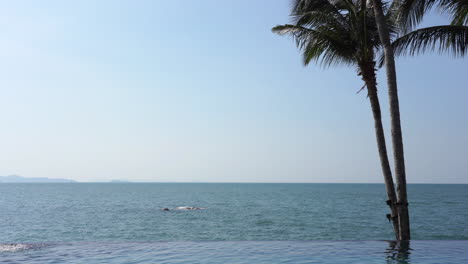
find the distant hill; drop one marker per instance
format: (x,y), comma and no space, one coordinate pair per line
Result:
(19,179)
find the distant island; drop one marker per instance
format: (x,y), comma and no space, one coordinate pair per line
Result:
(20,179)
(119,181)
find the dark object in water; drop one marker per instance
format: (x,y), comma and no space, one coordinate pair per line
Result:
(165,209)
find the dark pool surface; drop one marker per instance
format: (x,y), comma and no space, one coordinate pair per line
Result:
(426,252)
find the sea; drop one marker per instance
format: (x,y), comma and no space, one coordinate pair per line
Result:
(227,223)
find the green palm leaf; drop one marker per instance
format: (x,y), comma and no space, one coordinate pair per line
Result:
(452,39)
(411,12)
(318,45)
(458,10)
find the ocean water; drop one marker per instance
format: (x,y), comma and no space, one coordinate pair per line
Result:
(113,220)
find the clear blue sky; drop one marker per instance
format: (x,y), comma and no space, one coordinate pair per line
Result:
(203,91)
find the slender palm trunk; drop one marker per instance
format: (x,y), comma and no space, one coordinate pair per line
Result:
(368,75)
(397,138)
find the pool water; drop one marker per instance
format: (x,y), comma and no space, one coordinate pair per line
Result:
(424,252)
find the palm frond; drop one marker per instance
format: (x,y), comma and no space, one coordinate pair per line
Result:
(305,6)
(457,9)
(316,18)
(319,45)
(451,39)
(411,12)
(312,12)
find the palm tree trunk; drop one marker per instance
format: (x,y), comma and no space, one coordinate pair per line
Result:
(397,138)
(368,75)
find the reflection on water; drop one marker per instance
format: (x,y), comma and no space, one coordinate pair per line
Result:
(398,252)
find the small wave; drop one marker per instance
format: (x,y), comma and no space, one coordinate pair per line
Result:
(15,247)
(189,208)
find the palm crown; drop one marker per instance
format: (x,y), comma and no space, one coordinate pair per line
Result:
(334,31)
(344,31)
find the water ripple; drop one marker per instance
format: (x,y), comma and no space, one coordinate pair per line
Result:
(239,252)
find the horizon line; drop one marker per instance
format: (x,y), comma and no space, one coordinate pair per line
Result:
(126,181)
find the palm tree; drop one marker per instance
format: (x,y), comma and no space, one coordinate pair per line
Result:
(401,205)
(452,38)
(333,32)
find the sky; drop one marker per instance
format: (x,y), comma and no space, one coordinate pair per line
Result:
(202,91)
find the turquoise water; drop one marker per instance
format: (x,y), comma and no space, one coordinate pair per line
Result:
(40,213)
(94,222)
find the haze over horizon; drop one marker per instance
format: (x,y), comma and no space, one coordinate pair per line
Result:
(179,91)
(21,179)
